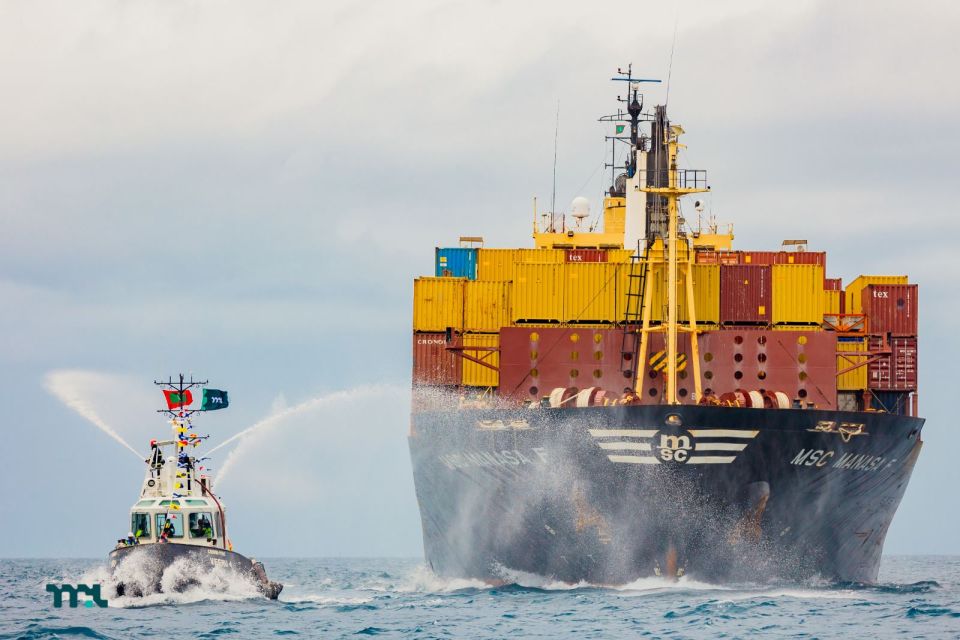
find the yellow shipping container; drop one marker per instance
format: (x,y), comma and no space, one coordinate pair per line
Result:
(796,327)
(498,264)
(537,294)
(555,256)
(798,295)
(706,293)
(619,255)
(438,303)
(590,291)
(486,305)
(477,375)
(854,290)
(831,301)
(857,379)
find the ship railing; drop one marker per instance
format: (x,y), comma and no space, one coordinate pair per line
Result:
(683,178)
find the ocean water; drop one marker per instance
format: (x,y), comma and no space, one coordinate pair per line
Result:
(918,597)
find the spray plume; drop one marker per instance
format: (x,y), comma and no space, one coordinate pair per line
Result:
(278,417)
(66,386)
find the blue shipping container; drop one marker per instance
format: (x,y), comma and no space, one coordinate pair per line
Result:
(456,263)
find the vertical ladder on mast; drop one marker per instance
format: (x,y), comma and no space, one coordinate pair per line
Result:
(633,314)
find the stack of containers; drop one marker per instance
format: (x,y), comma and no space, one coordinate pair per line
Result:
(745,294)
(832,296)
(438,309)
(891,307)
(706,294)
(799,298)
(476,292)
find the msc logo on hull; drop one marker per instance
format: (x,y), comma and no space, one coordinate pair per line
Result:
(695,446)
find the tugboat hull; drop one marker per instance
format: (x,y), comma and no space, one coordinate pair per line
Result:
(155,558)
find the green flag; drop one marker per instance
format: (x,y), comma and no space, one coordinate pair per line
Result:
(214,399)
(621,127)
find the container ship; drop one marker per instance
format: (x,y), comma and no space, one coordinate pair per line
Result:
(632,396)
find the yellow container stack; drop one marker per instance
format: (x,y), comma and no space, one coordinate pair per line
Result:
(486,305)
(831,301)
(499,264)
(798,295)
(477,375)
(706,293)
(438,303)
(538,293)
(856,379)
(591,291)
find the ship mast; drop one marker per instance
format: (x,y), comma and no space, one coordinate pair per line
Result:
(677,183)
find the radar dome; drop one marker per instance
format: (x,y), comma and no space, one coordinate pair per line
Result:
(580,207)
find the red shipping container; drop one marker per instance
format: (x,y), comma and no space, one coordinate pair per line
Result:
(801,257)
(433,363)
(728,257)
(891,308)
(745,294)
(757,257)
(536,360)
(801,364)
(706,257)
(833,284)
(586,255)
(896,371)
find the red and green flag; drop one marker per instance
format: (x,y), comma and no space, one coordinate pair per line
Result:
(177,399)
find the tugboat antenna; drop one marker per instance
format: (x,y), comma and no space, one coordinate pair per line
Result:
(179,386)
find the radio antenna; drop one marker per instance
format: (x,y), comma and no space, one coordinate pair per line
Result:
(673,46)
(556,136)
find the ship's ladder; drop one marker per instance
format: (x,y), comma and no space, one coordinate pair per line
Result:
(633,311)
(635,304)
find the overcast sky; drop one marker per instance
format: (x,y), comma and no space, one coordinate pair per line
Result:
(246,190)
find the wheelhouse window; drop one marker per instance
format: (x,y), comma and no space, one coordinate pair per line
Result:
(176,520)
(200,525)
(140,525)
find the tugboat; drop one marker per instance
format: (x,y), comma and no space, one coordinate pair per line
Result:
(177,516)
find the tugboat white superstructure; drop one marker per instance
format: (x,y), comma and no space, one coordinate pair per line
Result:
(177,515)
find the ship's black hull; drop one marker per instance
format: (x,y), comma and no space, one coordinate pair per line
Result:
(156,557)
(608,495)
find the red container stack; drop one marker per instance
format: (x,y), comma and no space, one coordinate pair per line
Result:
(745,294)
(757,257)
(586,255)
(432,363)
(833,284)
(891,308)
(896,371)
(801,257)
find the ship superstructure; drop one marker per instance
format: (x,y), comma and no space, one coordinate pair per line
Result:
(620,396)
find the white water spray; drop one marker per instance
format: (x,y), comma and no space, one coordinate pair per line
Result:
(276,418)
(66,386)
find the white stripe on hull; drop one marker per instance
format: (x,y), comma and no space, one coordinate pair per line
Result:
(634,459)
(623,433)
(723,433)
(711,459)
(625,446)
(720,446)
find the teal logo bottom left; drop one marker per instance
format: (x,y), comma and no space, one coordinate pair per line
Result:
(73,591)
